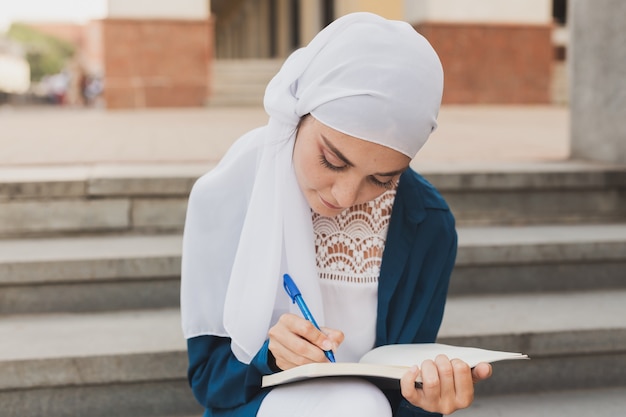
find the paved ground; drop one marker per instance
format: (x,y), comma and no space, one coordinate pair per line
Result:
(608,402)
(53,136)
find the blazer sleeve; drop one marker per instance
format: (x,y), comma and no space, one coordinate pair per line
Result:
(415,272)
(219,381)
(432,317)
(422,245)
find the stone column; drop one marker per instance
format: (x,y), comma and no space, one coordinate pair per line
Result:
(492,51)
(156,53)
(283,28)
(247,29)
(597,61)
(390,9)
(264,29)
(310,20)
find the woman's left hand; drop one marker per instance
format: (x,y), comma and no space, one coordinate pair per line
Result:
(447,385)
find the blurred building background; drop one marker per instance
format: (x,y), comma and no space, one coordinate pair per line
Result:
(223,52)
(492,51)
(14,70)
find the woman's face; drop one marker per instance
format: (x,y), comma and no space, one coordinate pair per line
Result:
(336,171)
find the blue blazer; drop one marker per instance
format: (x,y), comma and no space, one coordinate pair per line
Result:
(419,255)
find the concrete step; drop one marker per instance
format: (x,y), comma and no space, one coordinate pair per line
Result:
(44,201)
(241,82)
(122,364)
(133,362)
(531,193)
(514,259)
(606,402)
(250,99)
(100,273)
(103,273)
(153,198)
(246,66)
(574,340)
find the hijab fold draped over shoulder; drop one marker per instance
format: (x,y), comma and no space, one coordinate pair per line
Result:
(247,221)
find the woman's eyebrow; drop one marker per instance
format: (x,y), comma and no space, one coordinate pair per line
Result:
(350,164)
(337,152)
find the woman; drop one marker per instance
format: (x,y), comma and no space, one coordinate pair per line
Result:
(324,192)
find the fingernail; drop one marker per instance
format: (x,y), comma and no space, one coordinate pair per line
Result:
(327,345)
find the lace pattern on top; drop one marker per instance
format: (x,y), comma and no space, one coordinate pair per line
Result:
(349,246)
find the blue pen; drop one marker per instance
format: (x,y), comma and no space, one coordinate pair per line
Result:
(296,297)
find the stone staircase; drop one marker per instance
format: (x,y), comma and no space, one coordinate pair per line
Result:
(241,82)
(89,276)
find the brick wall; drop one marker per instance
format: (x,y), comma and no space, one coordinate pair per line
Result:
(156,63)
(493,63)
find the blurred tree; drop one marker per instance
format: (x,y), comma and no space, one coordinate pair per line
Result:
(46,54)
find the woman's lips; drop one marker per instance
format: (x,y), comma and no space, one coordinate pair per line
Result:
(327,204)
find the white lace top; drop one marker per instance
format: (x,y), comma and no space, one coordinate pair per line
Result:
(349,249)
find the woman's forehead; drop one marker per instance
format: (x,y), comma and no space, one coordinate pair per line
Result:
(359,151)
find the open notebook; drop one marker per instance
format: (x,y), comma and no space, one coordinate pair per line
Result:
(389,363)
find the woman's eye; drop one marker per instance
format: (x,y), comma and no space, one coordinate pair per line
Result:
(387,185)
(325,163)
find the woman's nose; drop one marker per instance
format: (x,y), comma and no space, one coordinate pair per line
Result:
(346,192)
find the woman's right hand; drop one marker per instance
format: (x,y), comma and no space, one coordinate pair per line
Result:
(295,341)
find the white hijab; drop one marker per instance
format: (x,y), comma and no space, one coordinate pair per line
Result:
(247,220)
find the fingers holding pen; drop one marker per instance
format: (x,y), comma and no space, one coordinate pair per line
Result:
(295,341)
(336,336)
